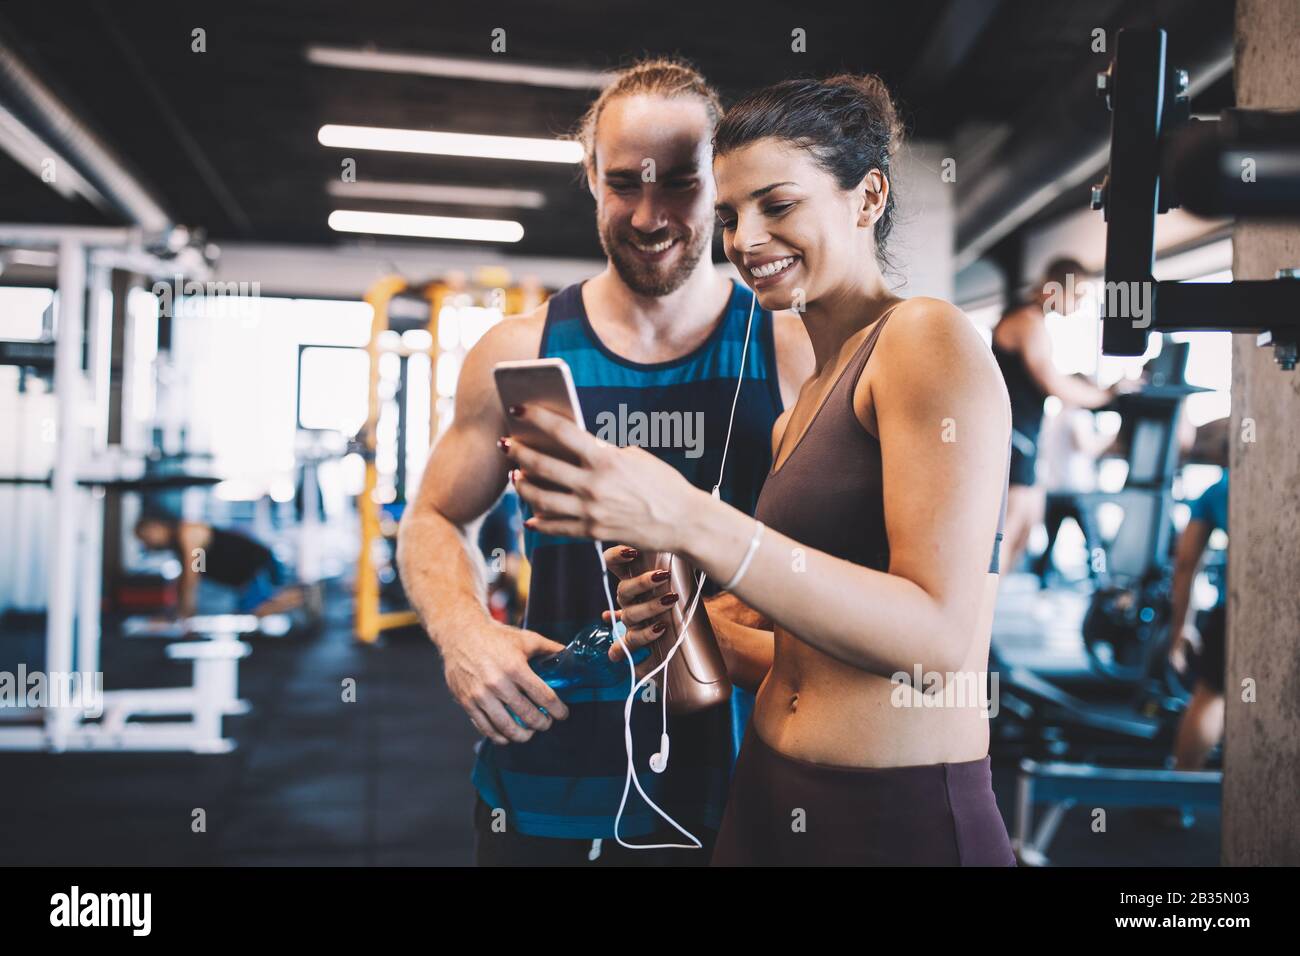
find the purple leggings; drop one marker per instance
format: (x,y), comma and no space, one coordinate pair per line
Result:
(789,812)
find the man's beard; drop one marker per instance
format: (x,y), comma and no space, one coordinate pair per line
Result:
(649,279)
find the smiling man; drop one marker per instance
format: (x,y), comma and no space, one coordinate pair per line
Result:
(658,331)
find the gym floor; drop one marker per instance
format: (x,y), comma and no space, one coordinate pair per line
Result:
(380,781)
(314,781)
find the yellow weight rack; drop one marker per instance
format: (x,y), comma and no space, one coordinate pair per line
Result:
(370,620)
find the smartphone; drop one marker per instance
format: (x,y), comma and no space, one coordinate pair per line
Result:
(545,382)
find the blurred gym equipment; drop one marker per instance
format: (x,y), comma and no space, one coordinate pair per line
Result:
(85,466)
(1121,723)
(1161,157)
(1063,786)
(424,319)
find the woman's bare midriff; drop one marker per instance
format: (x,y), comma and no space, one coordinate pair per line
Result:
(815,708)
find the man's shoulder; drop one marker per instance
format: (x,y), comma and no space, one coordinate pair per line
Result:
(513,338)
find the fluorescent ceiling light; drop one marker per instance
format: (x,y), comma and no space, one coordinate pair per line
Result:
(32,153)
(427,192)
(427,227)
(460,68)
(450,144)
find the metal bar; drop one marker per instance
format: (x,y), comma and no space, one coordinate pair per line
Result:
(1048,826)
(67,391)
(43,236)
(1137,93)
(367,617)
(93,159)
(91,550)
(402,397)
(1240,306)
(188,264)
(1024,822)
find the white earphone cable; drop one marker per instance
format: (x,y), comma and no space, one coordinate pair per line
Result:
(619,629)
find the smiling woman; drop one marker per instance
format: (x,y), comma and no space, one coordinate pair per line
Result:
(848,124)
(873,565)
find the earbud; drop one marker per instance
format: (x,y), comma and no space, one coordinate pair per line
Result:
(659,762)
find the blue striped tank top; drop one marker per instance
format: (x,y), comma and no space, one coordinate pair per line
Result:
(566,782)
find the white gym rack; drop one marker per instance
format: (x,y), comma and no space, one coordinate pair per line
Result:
(86,257)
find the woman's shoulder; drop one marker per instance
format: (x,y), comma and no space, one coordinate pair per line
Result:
(928,341)
(925,323)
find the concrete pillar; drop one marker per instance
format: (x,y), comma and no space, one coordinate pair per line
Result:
(1261,789)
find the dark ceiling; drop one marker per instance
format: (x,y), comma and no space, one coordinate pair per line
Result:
(226,139)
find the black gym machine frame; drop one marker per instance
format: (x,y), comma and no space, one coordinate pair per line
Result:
(1244,163)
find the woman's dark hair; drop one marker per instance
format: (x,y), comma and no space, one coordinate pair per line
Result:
(848,123)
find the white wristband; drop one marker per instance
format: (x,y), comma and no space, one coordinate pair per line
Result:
(749,556)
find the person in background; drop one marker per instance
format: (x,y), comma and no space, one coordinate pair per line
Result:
(1023,351)
(1201,727)
(226,557)
(1070,446)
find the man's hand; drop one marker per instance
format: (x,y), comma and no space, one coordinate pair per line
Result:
(487,671)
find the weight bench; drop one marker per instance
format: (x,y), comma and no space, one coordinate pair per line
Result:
(1064,785)
(212,694)
(212,626)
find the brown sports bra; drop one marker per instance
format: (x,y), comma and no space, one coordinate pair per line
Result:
(828,493)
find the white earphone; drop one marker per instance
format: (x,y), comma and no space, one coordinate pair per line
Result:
(659,761)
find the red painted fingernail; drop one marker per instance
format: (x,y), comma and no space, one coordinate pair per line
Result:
(629,553)
(669,599)
(517,411)
(657,629)
(503,444)
(660,575)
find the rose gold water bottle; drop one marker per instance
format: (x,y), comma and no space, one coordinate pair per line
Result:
(697,676)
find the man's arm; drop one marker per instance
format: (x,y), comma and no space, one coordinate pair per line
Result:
(1187,561)
(189,538)
(485,662)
